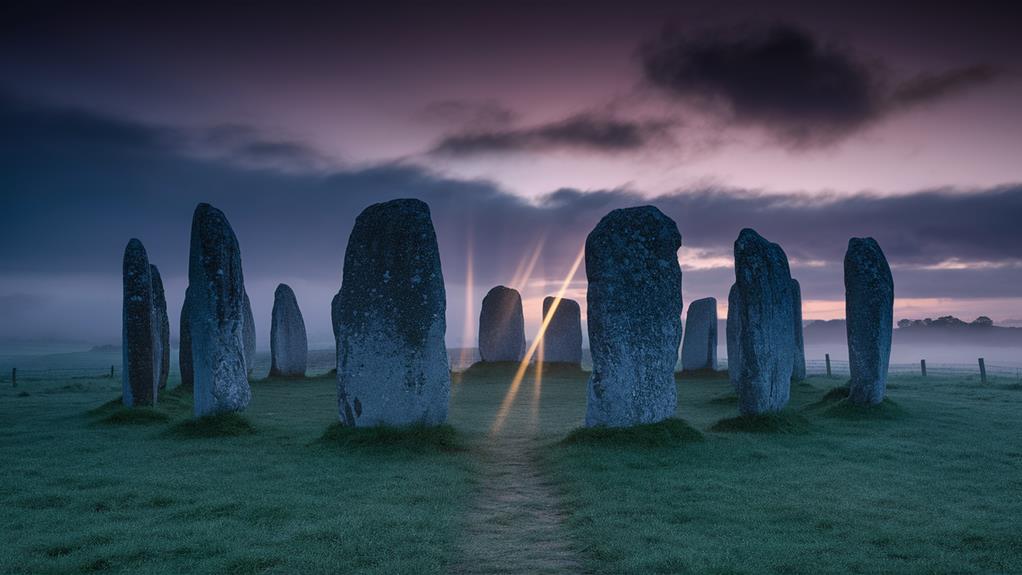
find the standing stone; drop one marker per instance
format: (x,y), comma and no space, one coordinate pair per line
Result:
(798,368)
(139,353)
(869,310)
(634,308)
(734,332)
(502,326)
(289,346)
(249,334)
(184,352)
(217,315)
(562,341)
(392,362)
(699,347)
(162,328)
(766,338)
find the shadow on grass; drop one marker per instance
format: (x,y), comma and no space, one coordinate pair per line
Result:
(833,396)
(667,433)
(729,399)
(135,416)
(210,426)
(783,423)
(417,438)
(701,374)
(845,409)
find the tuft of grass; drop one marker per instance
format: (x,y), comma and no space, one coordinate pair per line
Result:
(107,408)
(418,437)
(219,425)
(24,394)
(784,423)
(667,433)
(833,396)
(135,416)
(885,410)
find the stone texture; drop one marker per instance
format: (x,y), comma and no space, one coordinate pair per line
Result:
(766,338)
(184,352)
(502,326)
(734,331)
(289,346)
(217,315)
(798,368)
(699,347)
(562,341)
(162,328)
(869,311)
(140,330)
(634,315)
(249,335)
(392,362)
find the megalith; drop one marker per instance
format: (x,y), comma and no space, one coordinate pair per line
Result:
(798,368)
(634,316)
(217,315)
(162,328)
(289,346)
(501,326)
(392,361)
(139,329)
(562,340)
(869,314)
(184,351)
(699,346)
(249,335)
(733,330)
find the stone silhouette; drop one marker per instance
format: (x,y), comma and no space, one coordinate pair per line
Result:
(140,331)
(869,311)
(766,339)
(289,346)
(734,331)
(562,341)
(502,326)
(184,352)
(216,315)
(249,336)
(335,321)
(699,346)
(162,328)
(391,358)
(634,315)
(798,367)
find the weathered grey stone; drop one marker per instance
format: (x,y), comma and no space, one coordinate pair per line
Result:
(392,362)
(162,328)
(217,315)
(184,352)
(289,346)
(634,315)
(699,347)
(869,311)
(140,330)
(798,368)
(249,336)
(501,326)
(734,331)
(562,341)
(766,338)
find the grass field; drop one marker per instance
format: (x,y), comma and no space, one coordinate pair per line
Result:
(930,483)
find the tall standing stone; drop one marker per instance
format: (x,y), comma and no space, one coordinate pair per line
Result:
(634,314)
(249,335)
(699,347)
(289,346)
(139,333)
(869,311)
(162,328)
(766,339)
(562,341)
(798,368)
(502,326)
(734,331)
(217,315)
(184,352)
(391,357)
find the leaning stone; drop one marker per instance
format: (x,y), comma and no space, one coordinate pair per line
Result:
(562,341)
(184,352)
(392,362)
(634,314)
(289,346)
(869,311)
(502,326)
(139,354)
(699,346)
(217,320)
(734,331)
(766,339)
(249,334)
(798,369)
(162,328)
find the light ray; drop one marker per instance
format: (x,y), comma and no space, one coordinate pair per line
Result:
(468,331)
(522,275)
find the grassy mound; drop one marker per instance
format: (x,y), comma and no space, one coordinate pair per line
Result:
(667,433)
(845,409)
(419,437)
(701,374)
(833,396)
(729,399)
(785,423)
(135,416)
(107,408)
(220,425)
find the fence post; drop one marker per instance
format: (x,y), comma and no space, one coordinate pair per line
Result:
(111,372)
(982,371)
(14,377)
(828,364)
(922,366)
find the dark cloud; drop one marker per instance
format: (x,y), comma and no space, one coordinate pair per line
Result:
(247,146)
(474,114)
(804,91)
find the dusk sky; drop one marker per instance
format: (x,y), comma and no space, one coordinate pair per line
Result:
(521,124)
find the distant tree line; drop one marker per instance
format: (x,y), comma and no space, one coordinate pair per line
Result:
(945,322)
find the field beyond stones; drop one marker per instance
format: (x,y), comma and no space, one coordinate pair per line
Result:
(930,483)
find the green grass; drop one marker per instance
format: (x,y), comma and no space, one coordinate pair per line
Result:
(668,433)
(784,422)
(418,438)
(210,426)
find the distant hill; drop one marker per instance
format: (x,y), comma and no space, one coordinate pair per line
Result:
(944,330)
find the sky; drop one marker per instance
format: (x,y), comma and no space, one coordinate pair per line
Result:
(521,124)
